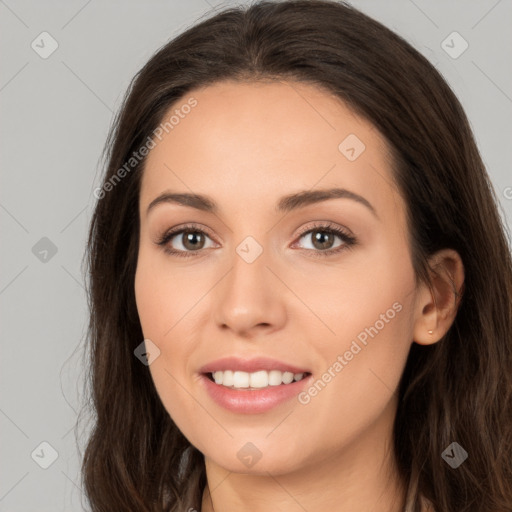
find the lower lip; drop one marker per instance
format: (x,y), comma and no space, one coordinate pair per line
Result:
(251,401)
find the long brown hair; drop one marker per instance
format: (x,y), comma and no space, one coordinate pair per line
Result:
(456,390)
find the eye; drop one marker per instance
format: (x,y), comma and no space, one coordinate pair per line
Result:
(324,235)
(189,239)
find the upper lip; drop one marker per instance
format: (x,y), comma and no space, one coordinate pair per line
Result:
(249,365)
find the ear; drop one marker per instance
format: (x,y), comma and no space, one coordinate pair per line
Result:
(436,305)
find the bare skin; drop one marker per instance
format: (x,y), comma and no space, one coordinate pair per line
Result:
(245,145)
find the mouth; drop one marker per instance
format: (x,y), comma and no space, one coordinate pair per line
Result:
(241,397)
(250,386)
(249,381)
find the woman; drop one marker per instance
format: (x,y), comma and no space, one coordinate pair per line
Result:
(300,286)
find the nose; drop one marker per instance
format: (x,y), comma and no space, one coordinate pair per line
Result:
(250,300)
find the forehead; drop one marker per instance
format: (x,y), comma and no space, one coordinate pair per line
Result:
(248,141)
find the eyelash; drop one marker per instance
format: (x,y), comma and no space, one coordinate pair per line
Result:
(348,240)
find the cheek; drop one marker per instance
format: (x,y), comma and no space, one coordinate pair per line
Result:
(368,292)
(162,306)
(148,298)
(162,296)
(361,373)
(162,313)
(371,315)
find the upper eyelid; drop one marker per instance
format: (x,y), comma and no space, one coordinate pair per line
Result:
(325,225)
(187,227)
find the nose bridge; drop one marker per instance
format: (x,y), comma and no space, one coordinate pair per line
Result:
(249,295)
(248,280)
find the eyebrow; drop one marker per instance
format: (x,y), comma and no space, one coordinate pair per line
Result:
(284,205)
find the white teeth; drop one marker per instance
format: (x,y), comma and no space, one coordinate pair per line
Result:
(259,379)
(287,377)
(275,378)
(227,378)
(240,380)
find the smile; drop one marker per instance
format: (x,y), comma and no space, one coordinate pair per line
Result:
(256,380)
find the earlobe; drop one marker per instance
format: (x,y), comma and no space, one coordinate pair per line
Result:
(437,303)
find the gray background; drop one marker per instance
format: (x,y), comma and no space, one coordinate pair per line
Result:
(55,117)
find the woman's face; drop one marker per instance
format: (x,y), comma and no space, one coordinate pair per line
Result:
(261,274)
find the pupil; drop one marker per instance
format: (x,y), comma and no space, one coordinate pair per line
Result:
(192,239)
(320,235)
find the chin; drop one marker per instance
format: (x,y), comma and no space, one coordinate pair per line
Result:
(258,457)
